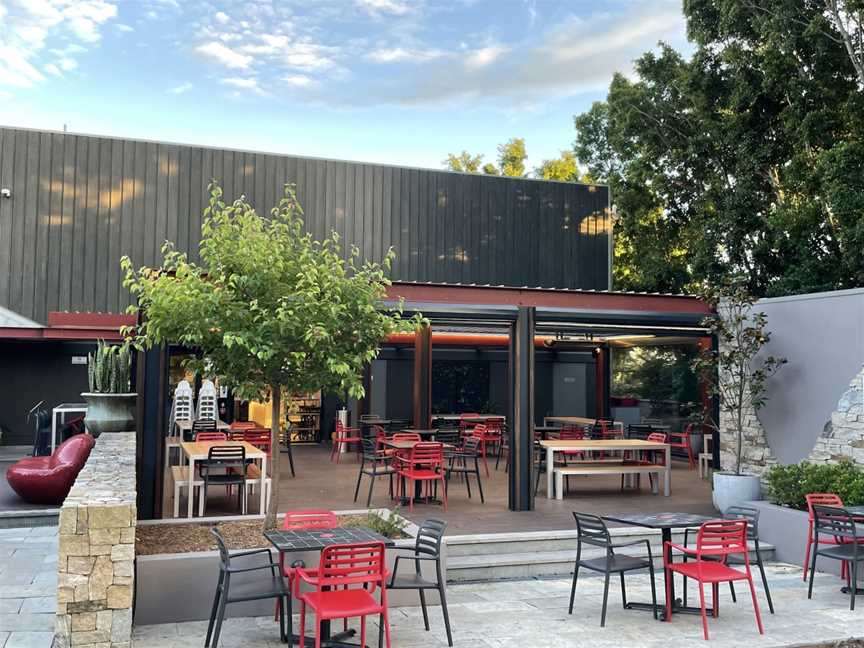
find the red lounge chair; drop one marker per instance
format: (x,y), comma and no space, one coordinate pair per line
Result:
(47,480)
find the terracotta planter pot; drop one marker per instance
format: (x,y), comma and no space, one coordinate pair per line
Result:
(109,412)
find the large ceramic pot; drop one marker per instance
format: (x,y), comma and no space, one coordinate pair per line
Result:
(731,489)
(109,412)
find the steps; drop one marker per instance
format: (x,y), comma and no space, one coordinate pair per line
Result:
(499,556)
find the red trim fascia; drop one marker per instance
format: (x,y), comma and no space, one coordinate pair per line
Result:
(60,319)
(549,298)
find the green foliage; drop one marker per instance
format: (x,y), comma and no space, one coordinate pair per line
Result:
(655,373)
(389,524)
(562,169)
(108,369)
(744,159)
(512,156)
(464,162)
(787,485)
(268,306)
(737,372)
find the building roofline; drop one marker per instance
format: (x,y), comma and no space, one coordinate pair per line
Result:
(292,155)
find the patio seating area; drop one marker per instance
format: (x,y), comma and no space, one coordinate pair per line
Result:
(508,614)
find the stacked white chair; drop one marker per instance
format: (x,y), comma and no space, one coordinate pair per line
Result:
(208,403)
(182,408)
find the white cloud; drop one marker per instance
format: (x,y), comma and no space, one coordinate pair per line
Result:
(30,24)
(395,7)
(122,27)
(181,89)
(484,56)
(399,54)
(224,55)
(221,17)
(298,80)
(240,82)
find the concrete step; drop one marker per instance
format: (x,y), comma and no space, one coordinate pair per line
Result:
(486,562)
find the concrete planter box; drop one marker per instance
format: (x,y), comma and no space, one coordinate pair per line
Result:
(733,490)
(180,587)
(786,529)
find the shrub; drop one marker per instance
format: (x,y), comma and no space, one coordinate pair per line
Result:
(787,485)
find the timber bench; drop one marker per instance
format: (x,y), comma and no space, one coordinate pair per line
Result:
(619,469)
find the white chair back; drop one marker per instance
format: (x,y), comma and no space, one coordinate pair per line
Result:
(208,407)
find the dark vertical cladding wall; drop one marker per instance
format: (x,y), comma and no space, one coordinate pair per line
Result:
(80,202)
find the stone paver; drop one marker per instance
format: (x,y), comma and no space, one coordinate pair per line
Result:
(28,587)
(513,614)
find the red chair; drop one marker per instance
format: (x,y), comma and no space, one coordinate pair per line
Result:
(425,463)
(715,542)
(258,437)
(682,440)
(47,480)
(648,458)
(572,433)
(407,436)
(344,435)
(345,584)
(465,425)
(210,436)
(303,519)
(821,499)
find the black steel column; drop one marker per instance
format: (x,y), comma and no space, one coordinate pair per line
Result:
(151,386)
(423,377)
(520,417)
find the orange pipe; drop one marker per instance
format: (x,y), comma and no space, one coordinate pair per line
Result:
(462,339)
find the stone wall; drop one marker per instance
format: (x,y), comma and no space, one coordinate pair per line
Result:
(843,436)
(756,456)
(97,549)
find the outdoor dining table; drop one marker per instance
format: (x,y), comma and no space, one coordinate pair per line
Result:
(608,445)
(304,540)
(186,426)
(568,420)
(665,522)
(199,451)
(423,432)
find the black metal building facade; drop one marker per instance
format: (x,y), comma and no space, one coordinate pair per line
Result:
(78,203)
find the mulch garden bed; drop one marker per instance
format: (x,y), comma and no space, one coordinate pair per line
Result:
(154,539)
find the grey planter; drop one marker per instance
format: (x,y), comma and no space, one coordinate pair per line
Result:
(786,529)
(109,412)
(172,588)
(731,489)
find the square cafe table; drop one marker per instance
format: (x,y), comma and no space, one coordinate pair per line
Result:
(199,450)
(665,522)
(297,540)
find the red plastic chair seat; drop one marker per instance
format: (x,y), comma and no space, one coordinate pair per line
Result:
(47,480)
(712,571)
(337,604)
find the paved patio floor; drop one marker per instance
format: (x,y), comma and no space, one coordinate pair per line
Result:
(534,613)
(28,587)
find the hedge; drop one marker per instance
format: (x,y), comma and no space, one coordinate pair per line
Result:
(787,485)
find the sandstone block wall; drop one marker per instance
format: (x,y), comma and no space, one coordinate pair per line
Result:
(97,549)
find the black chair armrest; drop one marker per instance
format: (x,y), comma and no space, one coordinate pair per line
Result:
(238,570)
(253,552)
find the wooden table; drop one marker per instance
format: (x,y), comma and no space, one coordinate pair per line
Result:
(480,418)
(569,420)
(610,445)
(407,444)
(198,451)
(186,426)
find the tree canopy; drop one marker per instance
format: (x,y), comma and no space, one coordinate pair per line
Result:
(745,158)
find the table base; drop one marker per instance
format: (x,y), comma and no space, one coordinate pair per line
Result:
(848,590)
(677,608)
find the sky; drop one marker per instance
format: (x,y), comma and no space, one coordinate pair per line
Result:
(393,81)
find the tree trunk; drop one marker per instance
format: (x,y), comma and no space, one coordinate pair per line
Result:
(275,455)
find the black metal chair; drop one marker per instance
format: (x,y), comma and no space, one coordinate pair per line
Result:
(225,466)
(840,525)
(273,586)
(200,425)
(752,516)
(466,462)
(374,464)
(593,531)
(539,465)
(427,547)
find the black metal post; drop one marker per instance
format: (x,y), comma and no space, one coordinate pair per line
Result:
(151,385)
(423,377)
(520,415)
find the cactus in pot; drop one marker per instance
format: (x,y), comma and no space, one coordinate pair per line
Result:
(110,401)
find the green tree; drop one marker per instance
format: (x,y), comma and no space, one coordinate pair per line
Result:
(562,169)
(743,159)
(737,372)
(490,169)
(463,163)
(272,310)
(511,157)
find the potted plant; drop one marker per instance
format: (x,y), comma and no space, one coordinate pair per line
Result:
(736,372)
(110,401)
